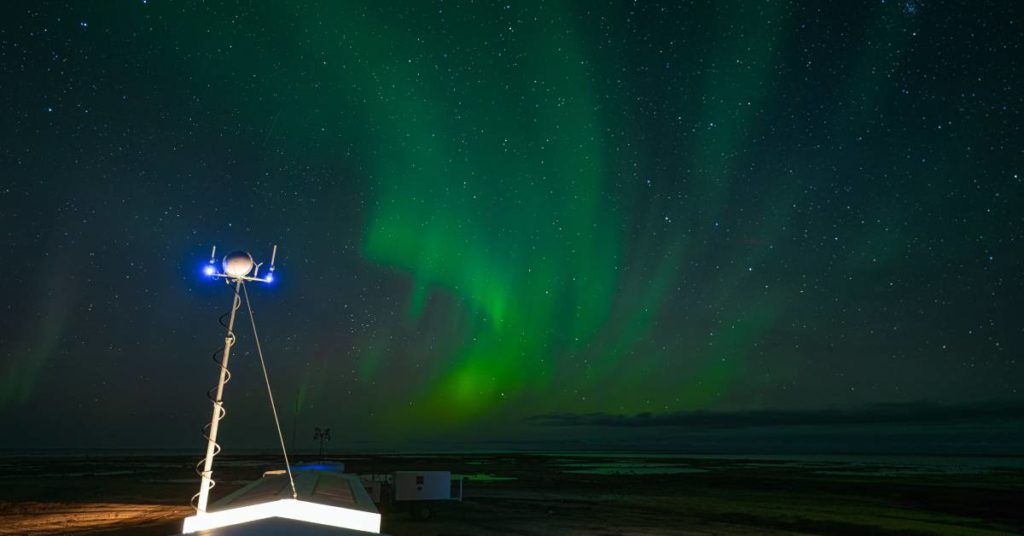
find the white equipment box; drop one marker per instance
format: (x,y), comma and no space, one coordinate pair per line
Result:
(422,485)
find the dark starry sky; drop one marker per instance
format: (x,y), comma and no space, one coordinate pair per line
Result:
(490,213)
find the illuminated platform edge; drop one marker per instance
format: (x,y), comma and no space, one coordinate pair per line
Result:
(327,496)
(322,514)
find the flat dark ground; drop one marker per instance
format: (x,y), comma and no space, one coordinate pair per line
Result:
(519,494)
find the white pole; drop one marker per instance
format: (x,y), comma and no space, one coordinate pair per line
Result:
(218,403)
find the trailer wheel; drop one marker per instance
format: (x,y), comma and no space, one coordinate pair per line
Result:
(421,512)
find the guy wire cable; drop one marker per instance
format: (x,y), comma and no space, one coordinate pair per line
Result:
(266,378)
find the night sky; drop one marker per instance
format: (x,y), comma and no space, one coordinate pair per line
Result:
(509,220)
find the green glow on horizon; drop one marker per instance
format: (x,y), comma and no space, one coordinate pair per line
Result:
(37,347)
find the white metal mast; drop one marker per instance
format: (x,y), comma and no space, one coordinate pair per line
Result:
(237,267)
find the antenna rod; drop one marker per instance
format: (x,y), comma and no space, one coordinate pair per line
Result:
(218,405)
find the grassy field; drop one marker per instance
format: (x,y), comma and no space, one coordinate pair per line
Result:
(518,494)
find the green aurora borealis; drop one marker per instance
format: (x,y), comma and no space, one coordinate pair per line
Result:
(506,201)
(490,211)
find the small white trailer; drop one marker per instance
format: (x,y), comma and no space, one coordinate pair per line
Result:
(424,486)
(414,490)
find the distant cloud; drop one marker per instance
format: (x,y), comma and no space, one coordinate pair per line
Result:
(916,413)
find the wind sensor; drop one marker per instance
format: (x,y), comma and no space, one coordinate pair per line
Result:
(239,266)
